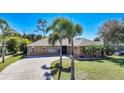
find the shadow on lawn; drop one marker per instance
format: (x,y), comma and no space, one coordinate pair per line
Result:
(119,61)
(101,60)
(55,69)
(20,54)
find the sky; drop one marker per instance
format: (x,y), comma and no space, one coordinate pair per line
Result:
(89,21)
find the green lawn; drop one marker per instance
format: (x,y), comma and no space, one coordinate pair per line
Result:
(110,68)
(10,60)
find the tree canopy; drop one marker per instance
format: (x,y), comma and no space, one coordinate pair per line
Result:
(112,31)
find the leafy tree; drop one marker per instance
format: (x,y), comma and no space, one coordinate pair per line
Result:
(32,37)
(41,25)
(120,33)
(108,30)
(23,45)
(14,42)
(17,44)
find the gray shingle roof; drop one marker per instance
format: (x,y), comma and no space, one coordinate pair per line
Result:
(77,42)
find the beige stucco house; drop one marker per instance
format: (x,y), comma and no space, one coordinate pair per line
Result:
(42,47)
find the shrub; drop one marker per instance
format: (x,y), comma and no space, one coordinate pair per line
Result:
(23,45)
(92,50)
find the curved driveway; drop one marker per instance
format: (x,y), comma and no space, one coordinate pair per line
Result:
(31,68)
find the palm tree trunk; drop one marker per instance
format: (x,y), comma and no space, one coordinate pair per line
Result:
(60,65)
(3,52)
(72,62)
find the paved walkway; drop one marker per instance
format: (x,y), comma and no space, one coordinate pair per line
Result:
(32,68)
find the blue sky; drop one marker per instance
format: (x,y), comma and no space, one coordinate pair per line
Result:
(89,21)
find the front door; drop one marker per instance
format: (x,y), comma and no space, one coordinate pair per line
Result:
(64,50)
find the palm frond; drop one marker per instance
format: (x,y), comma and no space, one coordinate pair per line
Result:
(53,38)
(78,29)
(3,24)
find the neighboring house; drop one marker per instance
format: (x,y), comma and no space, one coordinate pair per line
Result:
(42,47)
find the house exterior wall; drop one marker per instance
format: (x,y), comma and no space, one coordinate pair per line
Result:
(37,50)
(46,50)
(41,50)
(76,51)
(68,50)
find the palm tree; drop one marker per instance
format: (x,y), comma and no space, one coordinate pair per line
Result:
(59,27)
(6,31)
(3,28)
(73,30)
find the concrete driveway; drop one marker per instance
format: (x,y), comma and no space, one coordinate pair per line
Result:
(31,68)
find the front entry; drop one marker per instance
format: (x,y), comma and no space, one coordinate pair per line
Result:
(64,49)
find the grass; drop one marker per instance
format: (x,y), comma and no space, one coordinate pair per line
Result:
(109,68)
(10,60)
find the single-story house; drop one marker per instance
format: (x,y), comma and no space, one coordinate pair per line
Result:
(42,47)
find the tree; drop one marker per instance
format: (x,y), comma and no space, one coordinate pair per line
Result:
(14,42)
(17,44)
(23,45)
(72,31)
(6,30)
(59,27)
(32,37)
(41,24)
(120,33)
(108,30)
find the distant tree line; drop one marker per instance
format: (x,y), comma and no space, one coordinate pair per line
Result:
(32,37)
